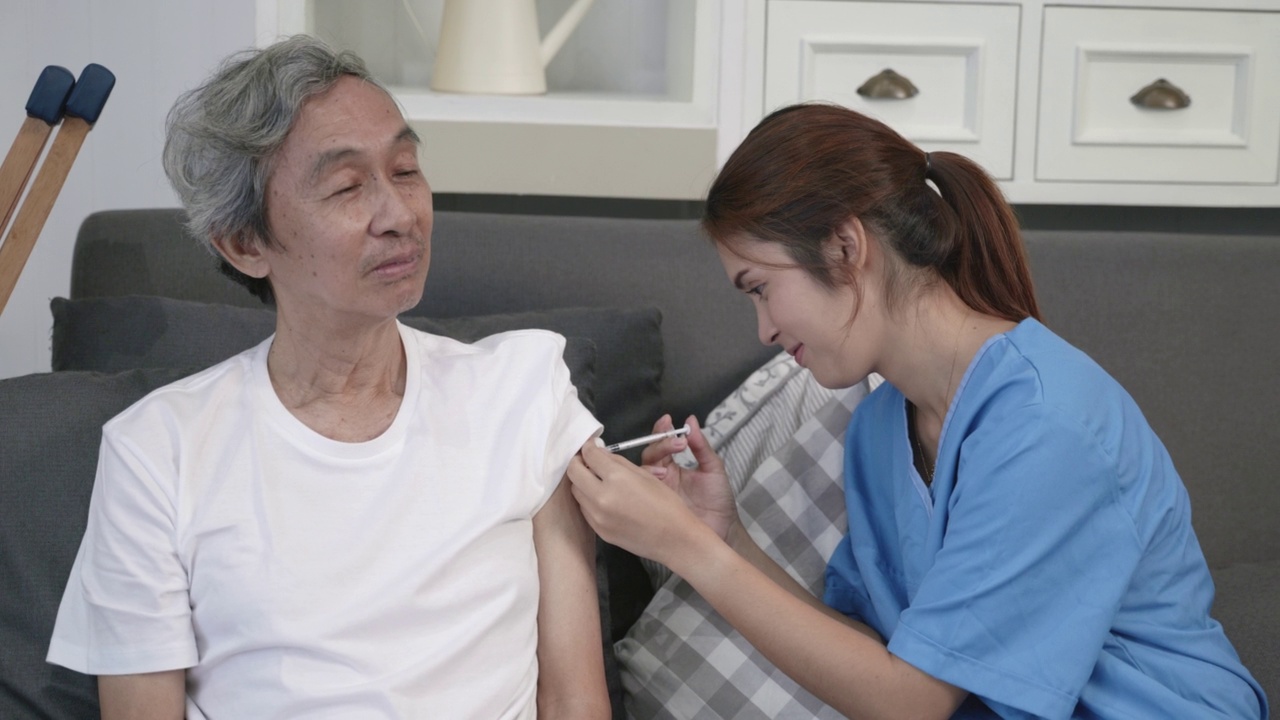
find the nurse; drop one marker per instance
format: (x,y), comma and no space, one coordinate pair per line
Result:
(1019,542)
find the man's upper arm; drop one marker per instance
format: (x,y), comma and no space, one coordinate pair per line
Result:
(571,680)
(145,696)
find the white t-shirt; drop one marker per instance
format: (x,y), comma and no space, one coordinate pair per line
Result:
(296,575)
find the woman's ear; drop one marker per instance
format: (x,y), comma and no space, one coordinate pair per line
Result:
(244,253)
(850,244)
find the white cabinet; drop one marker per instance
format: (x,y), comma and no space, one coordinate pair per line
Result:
(1042,93)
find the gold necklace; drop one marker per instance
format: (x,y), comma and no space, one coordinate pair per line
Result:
(915,437)
(915,426)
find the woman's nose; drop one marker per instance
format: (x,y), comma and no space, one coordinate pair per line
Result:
(764,327)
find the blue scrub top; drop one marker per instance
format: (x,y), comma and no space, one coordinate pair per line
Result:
(1051,569)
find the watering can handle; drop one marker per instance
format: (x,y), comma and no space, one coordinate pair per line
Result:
(555,39)
(417,25)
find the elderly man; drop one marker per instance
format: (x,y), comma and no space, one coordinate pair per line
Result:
(353,519)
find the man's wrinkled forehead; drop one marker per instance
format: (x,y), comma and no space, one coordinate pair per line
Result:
(336,156)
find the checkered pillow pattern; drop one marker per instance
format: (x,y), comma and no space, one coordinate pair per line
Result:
(752,423)
(681,659)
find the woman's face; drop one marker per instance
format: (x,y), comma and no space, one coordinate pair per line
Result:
(813,323)
(350,211)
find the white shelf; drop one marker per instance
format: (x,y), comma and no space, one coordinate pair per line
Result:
(556,108)
(632,107)
(632,88)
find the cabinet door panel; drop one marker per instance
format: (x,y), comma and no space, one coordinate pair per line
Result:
(961,59)
(1215,72)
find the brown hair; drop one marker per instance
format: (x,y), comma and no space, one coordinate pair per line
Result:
(807,169)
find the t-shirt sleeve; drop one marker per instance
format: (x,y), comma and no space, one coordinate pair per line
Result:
(1037,554)
(572,425)
(126,608)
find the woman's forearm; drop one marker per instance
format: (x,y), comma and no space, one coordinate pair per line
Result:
(840,662)
(743,544)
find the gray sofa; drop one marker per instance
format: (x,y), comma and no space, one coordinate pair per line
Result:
(1189,324)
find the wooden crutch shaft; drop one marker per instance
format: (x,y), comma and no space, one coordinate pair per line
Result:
(45,108)
(40,198)
(19,164)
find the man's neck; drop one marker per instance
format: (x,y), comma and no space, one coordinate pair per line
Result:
(344,385)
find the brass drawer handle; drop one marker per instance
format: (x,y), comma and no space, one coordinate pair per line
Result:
(888,85)
(1161,95)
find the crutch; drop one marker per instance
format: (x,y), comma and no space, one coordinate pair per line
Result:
(44,110)
(84,105)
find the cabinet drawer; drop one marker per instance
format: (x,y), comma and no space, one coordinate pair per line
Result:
(1097,61)
(961,58)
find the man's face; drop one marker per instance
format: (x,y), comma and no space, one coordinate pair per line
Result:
(350,211)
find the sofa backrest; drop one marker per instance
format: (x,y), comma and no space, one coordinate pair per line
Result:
(1187,323)
(1190,326)
(486,264)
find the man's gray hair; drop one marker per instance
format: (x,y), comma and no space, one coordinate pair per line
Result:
(222,137)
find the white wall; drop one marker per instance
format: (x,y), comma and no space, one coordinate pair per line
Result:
(157,49)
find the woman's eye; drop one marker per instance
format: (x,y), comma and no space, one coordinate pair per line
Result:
(758,291)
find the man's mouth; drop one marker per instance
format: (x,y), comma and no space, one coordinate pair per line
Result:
(401,263)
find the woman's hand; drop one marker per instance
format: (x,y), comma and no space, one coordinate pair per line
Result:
(705,489)
(658,511)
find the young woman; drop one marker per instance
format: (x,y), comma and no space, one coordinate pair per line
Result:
(1019,542)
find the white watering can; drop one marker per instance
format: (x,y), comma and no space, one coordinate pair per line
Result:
(492,46)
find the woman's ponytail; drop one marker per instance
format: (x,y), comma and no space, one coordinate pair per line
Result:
(806,169)
(988,268)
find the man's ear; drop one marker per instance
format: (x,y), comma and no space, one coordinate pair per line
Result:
(244,252)
(850,244)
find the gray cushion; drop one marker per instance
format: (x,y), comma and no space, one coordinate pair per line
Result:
(53,425)
(117,333)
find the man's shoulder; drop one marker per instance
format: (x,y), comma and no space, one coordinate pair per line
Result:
(187,397)
(526,346)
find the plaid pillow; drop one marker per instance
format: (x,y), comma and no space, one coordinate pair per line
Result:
(749,425)
(681,659)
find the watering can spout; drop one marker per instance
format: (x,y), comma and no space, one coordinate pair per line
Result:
(556,38)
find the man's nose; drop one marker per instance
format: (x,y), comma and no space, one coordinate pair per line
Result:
(393,211)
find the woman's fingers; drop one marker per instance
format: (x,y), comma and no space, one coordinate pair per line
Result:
(585,482)
(708,460)
(599,460)
(657,452)
(623,503)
